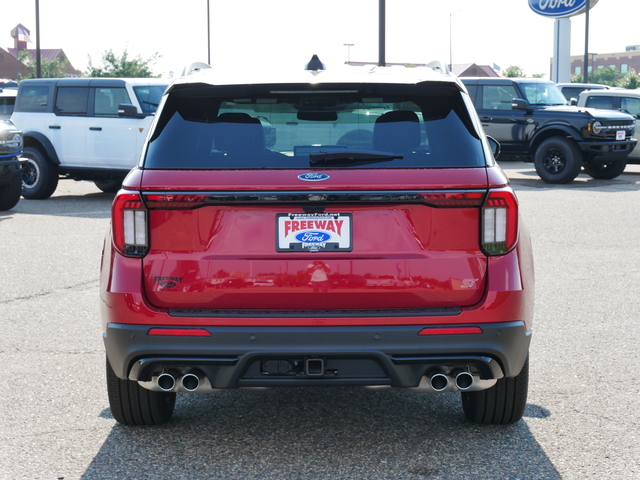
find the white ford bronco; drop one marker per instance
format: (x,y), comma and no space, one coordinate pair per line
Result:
(83,129)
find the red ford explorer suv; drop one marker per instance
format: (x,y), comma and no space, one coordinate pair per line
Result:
(317,228)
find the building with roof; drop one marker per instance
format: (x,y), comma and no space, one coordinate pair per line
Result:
(11,67)
(460,70)
(624,62)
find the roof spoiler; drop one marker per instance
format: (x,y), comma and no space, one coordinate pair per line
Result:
(439,65)
(195,67)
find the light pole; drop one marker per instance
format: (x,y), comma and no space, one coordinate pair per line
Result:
(38,62)
(586,41)
(349,45)
(208,35)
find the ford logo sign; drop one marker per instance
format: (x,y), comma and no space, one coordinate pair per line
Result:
(313,237)
(559,8)
(313,177)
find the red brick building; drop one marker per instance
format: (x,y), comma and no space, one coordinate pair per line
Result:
(623,61)
(11,67)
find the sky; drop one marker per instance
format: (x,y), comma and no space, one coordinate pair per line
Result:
(286,33)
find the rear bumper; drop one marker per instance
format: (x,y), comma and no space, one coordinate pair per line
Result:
(395,356)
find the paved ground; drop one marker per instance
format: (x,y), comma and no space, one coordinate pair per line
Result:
(582,419)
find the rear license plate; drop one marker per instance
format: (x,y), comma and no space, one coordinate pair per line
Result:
(313,232)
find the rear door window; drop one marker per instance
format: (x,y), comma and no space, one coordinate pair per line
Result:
(72,101)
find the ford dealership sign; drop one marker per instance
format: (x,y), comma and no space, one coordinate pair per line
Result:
(560,8)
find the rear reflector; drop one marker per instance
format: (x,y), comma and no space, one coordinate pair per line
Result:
(449,330)
(180,332)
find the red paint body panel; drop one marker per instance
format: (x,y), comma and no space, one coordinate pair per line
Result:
(341,178)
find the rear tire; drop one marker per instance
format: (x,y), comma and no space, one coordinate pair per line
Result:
(109,185)
(606,171)
(39,176)
(558,160)
(10,193)
(500,404)
(133,405)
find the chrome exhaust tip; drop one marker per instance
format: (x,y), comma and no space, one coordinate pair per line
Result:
(464,380)
(439,382)
(166,382)
(190,382)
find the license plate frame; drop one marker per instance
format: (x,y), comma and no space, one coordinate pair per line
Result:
(314,232)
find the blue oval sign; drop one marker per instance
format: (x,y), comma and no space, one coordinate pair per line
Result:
(559,8)
(313,237)
(313,177)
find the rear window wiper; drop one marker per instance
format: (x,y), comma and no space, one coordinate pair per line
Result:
(352,156)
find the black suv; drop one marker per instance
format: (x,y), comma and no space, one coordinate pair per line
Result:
(10,164)
(530,119)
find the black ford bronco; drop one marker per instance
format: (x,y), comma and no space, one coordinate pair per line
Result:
(531,120)
(10,164)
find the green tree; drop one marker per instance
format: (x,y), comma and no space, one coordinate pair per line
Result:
(513,72)
(629,80)
(122,66)
(604,76)
(48,68)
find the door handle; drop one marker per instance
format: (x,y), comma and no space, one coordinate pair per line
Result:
(54,127)
(97,129)
(486,119)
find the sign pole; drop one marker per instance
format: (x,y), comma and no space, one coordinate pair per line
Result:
(585,75)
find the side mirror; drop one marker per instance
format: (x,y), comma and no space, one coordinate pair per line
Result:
(519,104)
(573,101)
(127,110)
(494,145)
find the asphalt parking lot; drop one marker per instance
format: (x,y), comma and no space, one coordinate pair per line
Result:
(582,419)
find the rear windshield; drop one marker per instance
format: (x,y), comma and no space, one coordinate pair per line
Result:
(296,126)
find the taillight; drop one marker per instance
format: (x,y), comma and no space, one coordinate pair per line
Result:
(129,225)
(499,222)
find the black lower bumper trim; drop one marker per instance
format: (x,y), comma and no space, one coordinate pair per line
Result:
(234,357)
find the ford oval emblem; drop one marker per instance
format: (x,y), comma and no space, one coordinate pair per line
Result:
(559,8)
(313,177)
(313,237)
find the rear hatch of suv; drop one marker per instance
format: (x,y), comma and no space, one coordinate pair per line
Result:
(313,200)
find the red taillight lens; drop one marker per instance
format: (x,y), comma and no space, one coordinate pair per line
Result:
(454,199)
(129,225)
(175,200)
(499,222)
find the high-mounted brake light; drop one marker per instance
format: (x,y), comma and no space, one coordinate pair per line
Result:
(499,222)
(129,225)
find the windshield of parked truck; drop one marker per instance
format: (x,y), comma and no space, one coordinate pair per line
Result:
(149,97)
(542,93)
(296,126)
